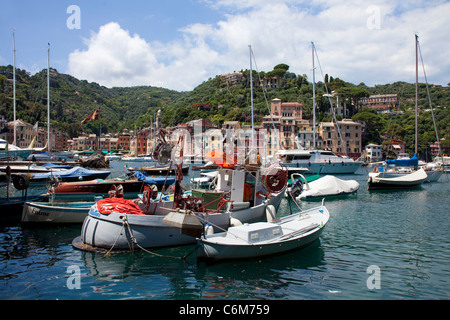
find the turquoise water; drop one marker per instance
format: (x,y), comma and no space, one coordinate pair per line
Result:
(377,245)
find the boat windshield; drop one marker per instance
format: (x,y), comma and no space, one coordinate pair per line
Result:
(290,158)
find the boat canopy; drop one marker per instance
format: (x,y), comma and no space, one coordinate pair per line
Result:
(413,161)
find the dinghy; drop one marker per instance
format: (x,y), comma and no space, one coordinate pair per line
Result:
(255,240)
(411,180)
(325,187)
(55,212)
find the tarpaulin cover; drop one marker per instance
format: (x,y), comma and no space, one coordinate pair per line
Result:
(108,205)
(159,181)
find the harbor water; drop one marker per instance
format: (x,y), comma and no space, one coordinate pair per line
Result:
(377,245)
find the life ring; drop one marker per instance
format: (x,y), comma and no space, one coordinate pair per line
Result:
(151,192)
(260,194)
(277,181)
(21,182)
(375,169)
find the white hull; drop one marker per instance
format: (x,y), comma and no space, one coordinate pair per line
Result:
(313,160)
(405,181)
(106,231)
(327,168)
(296,231)
(328,186)
(42,212)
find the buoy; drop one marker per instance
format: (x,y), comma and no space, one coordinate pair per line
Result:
(235,222)
(271,213)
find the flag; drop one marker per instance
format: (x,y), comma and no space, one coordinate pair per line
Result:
(92,116)
(35,127)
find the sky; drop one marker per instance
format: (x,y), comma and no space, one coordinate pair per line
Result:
(178,44)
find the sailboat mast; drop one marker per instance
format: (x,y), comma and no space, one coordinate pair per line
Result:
(314,97)
(14,86)
(417,92)
(251,96)
(48,99)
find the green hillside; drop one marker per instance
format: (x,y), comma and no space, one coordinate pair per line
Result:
(72,100)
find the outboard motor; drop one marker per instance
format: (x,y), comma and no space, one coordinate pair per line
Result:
(297,188)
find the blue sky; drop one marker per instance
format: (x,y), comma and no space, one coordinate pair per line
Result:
(178,44)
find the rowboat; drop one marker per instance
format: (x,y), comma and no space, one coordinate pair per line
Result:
(55,212)
(260,239)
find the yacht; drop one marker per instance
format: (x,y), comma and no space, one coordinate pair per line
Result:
(314,159)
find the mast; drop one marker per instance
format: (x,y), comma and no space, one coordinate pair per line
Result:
(48,99)
(417,91)
(314,97)
(14,87)
(251,96)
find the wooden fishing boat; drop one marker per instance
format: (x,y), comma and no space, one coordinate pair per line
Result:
(87,190)
(153,228)
(160,170)
(255,240)
(55,212)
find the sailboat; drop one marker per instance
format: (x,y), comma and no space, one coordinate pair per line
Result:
(8,150)
(314,159)
(380,178)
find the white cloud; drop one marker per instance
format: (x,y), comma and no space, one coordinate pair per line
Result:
(371,43)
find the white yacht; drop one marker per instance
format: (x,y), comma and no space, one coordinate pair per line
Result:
(314,159)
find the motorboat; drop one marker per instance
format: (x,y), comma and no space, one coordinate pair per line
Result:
(411,180)
(315,160)
(260,239)
(326,186)
(73,174)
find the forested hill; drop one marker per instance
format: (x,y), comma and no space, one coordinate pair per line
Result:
(72,100)
(214,100)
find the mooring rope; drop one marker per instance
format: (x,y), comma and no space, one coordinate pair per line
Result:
(125,224)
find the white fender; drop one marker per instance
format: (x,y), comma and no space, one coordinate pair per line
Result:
(271,213)
(235,222)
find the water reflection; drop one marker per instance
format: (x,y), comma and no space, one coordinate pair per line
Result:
(177,279)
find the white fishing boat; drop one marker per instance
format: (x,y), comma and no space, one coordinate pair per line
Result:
(327,186)
(153,228)
(255,240)
(55,212)
(411,180)
(241,195)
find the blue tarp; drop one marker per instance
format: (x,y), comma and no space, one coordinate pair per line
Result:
(74,172)
(153,180)
(414,161)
